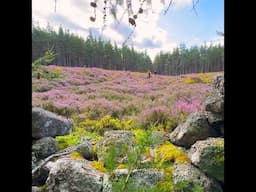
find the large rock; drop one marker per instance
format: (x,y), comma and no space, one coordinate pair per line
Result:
(218,83)
(208,156)
(140,177)
(40,176)
(215,103)
(119,141)
(44,147)
(48,124)
(195,128)
(76,176)
(188,173)
(86,149)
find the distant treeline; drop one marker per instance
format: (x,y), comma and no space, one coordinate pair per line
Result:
(194,60)
(73,50)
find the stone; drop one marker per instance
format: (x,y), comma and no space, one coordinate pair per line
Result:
(44,147)
(195,128)
(208,156)
(68,175)
(188,173)
(120,141)
(48,124)
(215,104)
(140,177)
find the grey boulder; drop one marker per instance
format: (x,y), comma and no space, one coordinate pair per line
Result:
(44,147)
(48,124)
(68,175)
(195,128)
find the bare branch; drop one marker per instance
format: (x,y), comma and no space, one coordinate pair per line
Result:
(60,153)
(195,2)
(170,3)
(129,36)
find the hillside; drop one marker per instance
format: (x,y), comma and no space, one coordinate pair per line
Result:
(93,93)
(105,131)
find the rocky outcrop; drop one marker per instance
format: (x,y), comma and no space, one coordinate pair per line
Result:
(140,177)
(214,105)
(218,83)
(76,176)
(120,141)
(44,147)
(48,124)
(189,173)
(208,156)
(195,128)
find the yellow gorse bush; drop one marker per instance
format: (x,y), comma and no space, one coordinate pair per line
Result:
(169,152)
(98,165)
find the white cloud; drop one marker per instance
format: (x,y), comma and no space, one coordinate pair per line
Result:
(182,3)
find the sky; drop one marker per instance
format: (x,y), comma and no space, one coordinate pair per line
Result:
(155,30)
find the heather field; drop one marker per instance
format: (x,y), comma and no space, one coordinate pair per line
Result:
(92,94)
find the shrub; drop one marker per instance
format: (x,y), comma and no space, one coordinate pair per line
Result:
(107,123)
(169,152)
(205,78)
(192,80)
(159,115)
(63,111)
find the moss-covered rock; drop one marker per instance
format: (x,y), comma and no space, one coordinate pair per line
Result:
(140,177)
(121,141)
(208,155)
(187,173)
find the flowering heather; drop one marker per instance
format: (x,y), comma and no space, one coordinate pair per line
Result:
(93,93)
(187,106)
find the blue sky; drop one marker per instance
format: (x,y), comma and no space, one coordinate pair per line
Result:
(185,25)
(155,31)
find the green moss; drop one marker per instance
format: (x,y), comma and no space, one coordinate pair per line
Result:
(43,188)
(213,162)
(74,138)
(187,186)
(67,141)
